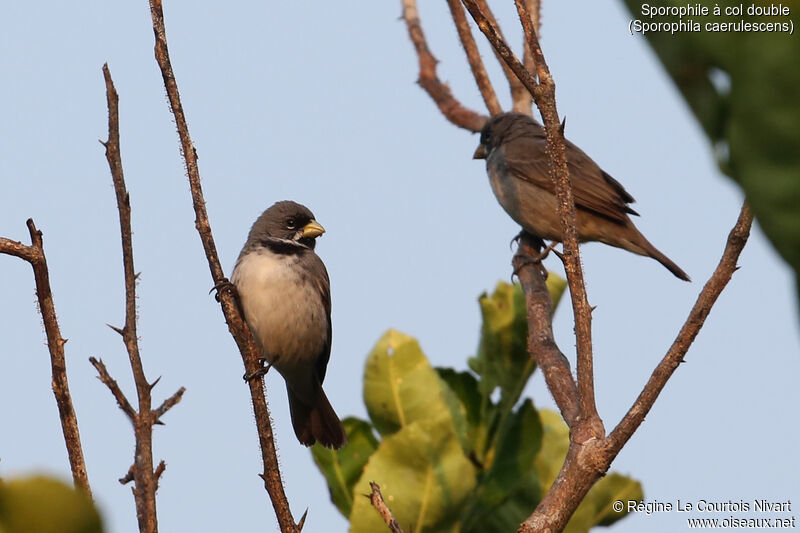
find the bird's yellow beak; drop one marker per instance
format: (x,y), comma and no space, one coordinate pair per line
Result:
(312,229)
(480,152)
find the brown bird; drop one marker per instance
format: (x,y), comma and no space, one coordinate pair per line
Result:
(285,294)
(513,145)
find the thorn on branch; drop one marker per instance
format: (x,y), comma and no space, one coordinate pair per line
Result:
(302,521)
(127,478)
(168,404)
(376,498)
(159,470)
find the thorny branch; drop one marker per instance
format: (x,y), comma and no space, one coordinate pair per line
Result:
(144,477)
(376,499)
(34,254)
(590,451)
(236,324)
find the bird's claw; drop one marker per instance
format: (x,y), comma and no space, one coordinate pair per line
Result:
(260,373)
(537,259)
(224,284)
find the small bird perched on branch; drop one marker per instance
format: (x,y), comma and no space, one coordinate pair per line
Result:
(513,145)
(285,295)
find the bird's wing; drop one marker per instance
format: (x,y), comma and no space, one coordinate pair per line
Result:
(594,190)
(319,278)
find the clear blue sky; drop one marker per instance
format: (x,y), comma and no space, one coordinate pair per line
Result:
(319,104)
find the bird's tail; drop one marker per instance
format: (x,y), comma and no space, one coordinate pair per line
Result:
(640,245)
(317,423)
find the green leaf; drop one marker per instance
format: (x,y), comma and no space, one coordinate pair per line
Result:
(401,387)
(754,123)
(342,468)
(40,504)
(473,430)
(555,442)
(509,491)
(597,507)
(423,475)
(503,360)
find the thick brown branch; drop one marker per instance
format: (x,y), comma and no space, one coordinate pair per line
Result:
(34,255)
(236,324)
(474,58)
(697,316)
(541,343)
(428,79)
(376,499)
(586,462)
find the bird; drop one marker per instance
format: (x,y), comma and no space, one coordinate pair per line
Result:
(284,293)
(514,147)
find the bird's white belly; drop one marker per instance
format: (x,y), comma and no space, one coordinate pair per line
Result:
(284,311)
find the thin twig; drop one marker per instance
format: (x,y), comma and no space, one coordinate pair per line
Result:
(541,343)
(34,254)
(113,386)
(127,478)
(168,404)
(697,316)
(159,471)
(145,479)
(534,9)
(546,102)
(236,324)
(474,57)
(543,92)
(586,462)
(520,97)
(376,499)
(429,80)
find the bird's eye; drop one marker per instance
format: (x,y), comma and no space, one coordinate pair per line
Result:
(291,223)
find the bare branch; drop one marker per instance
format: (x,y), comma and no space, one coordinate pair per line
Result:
(428,79)
(160,470)
(737,238)
(127,478)
(34,255)
(541,343)
(587,461)
(544,94)
(474,57)
(236,324)
(113,386)
(144,477)
(546,102)
(376,498)
(520,97)
(168,404)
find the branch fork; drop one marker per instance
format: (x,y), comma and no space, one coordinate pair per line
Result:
(591,451)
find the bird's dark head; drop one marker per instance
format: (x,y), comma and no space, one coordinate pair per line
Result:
(289,221)
(503,128)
